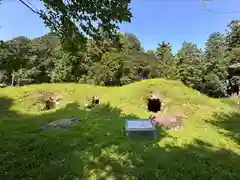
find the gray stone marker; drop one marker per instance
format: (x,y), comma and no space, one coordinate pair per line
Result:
(140,126)
(61,123)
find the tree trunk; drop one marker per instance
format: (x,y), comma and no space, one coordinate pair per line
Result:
(18,81)
(13,77)
(19,76)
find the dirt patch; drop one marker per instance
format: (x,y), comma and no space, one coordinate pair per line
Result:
(92,102)
(42,101)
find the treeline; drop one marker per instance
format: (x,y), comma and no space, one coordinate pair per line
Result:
(110,63)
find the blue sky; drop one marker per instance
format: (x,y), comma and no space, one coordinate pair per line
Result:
(174,21)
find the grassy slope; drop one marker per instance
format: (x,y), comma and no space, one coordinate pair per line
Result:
(207,148)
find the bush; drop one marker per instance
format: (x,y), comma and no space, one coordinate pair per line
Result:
(3,85)
(213,86)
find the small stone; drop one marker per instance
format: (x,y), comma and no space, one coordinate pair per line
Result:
(61,123)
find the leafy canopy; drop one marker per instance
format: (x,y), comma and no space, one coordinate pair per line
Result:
(75,20)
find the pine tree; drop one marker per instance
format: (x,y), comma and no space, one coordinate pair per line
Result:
(166,66)
(190,67)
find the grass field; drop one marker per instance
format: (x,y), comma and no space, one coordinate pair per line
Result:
(207,148)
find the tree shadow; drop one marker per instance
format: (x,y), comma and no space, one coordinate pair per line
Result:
(196,161)
(97,148)
(27,144)
(228,124)
(5,107)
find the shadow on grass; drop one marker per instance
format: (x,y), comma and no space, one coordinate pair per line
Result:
(97,148)
(228,124)
(5,105)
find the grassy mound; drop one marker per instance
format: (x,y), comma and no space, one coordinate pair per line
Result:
(207,148)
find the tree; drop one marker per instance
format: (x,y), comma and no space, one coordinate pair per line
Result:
(138,64)
(153,65)
(233,42)
(150,53)
(215,65)
(43,56)
(215,55)
(95,49)
(28,76)
(104,61)
(63,67)
(190,65)
(14,56)
(167,64)
(3,76)
(213,86)
(234,34)
(108,71)
(73,21)
(130,43)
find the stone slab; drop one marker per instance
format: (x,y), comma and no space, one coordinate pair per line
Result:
(61,123)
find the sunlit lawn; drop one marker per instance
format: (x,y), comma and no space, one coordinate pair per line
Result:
(208,147)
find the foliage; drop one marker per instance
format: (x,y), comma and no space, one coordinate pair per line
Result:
(108,71)
(130,43)
(73,21)
(166,62)
(216,64)
(190,65)
(104,61)
(63,67)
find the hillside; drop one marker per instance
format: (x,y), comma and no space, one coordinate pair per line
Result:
(208,147)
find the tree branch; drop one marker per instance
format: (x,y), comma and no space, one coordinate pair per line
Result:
(29,7)
(44,17)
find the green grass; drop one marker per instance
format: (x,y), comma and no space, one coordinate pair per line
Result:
(207,148)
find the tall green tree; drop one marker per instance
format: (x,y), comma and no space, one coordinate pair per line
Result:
(215,65)
(14,56)
(215,55)
(233,42)
(167,63)
(190,65)
(153,65)
(108,71)
(43,56)
(130,43)
(137,63)
(64,64)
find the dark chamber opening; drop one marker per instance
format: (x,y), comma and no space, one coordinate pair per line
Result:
(49,104)
(154,105)
(95,100)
